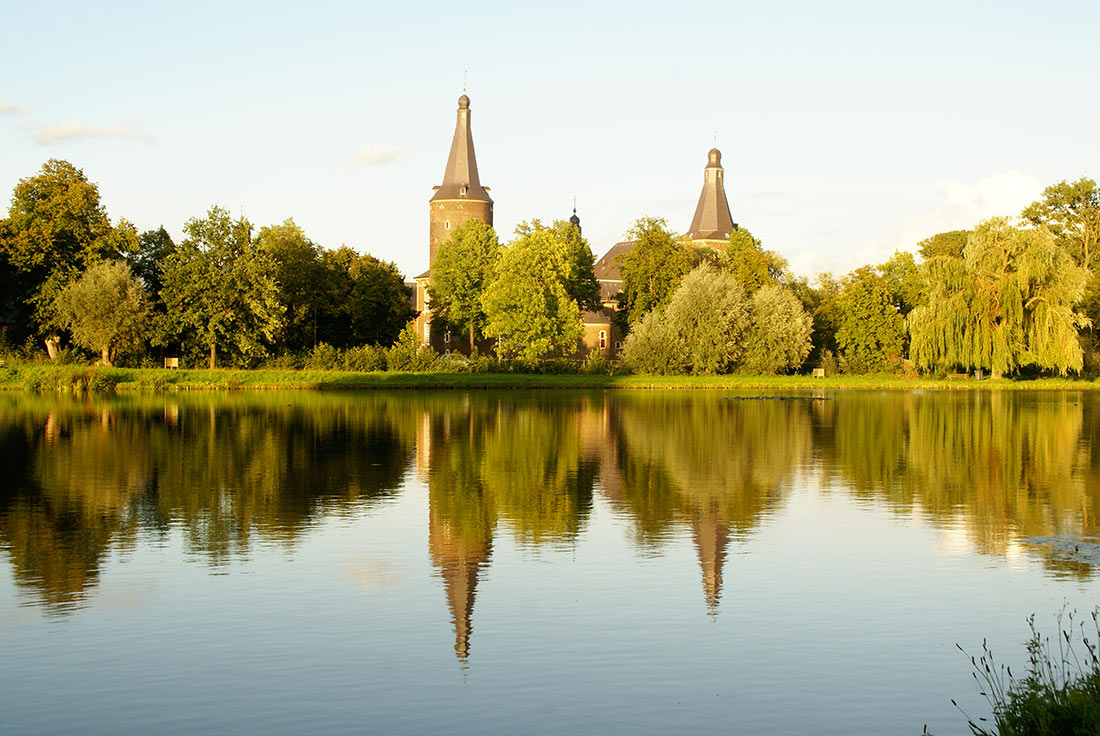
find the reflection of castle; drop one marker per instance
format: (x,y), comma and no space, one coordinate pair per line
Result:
(462,197)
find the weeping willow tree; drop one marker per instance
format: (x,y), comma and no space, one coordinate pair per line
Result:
(1006,304)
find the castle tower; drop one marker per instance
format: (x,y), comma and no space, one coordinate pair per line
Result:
(712,224)
(461,197)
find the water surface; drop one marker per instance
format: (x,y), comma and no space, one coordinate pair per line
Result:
(542,562)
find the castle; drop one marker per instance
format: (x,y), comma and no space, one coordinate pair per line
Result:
(463,197)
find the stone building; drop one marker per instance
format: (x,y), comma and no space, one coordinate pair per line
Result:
(459,198)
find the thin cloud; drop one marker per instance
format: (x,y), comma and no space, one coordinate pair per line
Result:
(77,130)
(8,108)
(370,155)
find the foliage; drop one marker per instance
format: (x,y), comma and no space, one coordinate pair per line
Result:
(323,357)
(870,331)
(366,301)
(365,358)
(55,228)
(528,308)
(1059,692)
(461,272)
(652,269)
(700,331)
(778,336)
(147,261)
(1071,211)
(302,280)
(408,354)
(106,310)
(948,244)
(904,281)
(1006,304)
(220,289)
(753,266)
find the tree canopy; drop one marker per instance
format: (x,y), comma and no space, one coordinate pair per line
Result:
(461,271)
(870,329)
(653,268)
(106,310)
(752,265)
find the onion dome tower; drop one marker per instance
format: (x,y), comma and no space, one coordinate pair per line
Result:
(712,224)
(461,197)
(574,220)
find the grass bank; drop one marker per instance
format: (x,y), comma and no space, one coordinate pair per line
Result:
(46,377)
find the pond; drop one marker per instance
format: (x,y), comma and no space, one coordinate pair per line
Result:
(531,562)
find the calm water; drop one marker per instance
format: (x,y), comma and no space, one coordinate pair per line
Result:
(543,562)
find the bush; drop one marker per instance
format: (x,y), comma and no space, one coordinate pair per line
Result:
(100,380)
(323,357)
(597,363)
(288,362)
(152,381)
(407,354)
(365,359)
(1060,691)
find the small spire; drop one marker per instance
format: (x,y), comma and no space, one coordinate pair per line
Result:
(463,81)
(574,220)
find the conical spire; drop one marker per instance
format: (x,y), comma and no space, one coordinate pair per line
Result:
(712,219)
(460,180)
(459,563)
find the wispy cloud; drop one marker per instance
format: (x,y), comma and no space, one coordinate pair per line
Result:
(370,155)
(8,108)
(77,130)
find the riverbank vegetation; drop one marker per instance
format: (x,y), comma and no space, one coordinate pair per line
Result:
(1011,298)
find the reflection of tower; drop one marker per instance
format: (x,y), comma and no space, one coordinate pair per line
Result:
(459,562)
(423,445)
(710,537)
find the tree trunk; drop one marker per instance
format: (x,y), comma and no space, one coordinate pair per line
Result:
(53,345)
(105,357)
(212,356)
(471,338)
(995,374)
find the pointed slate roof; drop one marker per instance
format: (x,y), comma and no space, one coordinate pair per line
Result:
(460,179)
(712,219)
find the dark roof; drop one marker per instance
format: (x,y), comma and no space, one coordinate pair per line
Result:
(460,179)
(712,219)
(424,275)
(607,268)
(604,316)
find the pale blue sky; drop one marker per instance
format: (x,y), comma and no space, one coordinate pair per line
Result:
(847,129)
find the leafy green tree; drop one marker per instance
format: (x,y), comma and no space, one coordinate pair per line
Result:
(1006,304)
(147,262)
(700,331)
(778,336)
(870,330)
(366,301)
(903,279)
(755,267)
(408,354)
(303,281)
(653,268)
(106,310)
(461,272)
(56,227)
(1071,211)
(527,307)
(949,244)
(220,289)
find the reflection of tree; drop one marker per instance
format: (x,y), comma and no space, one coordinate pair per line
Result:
(1005,465)
(85,476)
(717,462)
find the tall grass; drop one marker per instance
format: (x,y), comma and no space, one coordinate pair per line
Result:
(1059,693)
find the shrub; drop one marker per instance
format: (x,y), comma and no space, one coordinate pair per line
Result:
(100,381)
(407,354)
(288,362)
(365,358)
(323,357)
(778,336)
(597,363)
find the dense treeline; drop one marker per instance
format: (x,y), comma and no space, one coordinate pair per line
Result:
(1006,298)
(224,294)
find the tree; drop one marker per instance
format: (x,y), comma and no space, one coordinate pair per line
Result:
(366,301)
(904,281)
(527,307)
(778,336)
(949,244)
(700,331)
(653,268)
(56,227)
(221,289)
(302,281)
(147,261)
(870,330)
(1071,211)
(1006,304)
(106,309)
(461,272)
(753,266)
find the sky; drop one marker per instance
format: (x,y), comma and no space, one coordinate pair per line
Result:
(848,130)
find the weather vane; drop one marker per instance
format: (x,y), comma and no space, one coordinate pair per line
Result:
(463,81)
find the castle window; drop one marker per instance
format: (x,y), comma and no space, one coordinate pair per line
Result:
(447,336)
(603,339)
(463,192)
(447,225)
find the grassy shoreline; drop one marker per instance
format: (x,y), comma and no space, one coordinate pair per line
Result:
(46,377)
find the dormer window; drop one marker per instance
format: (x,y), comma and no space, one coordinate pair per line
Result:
(463,190)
